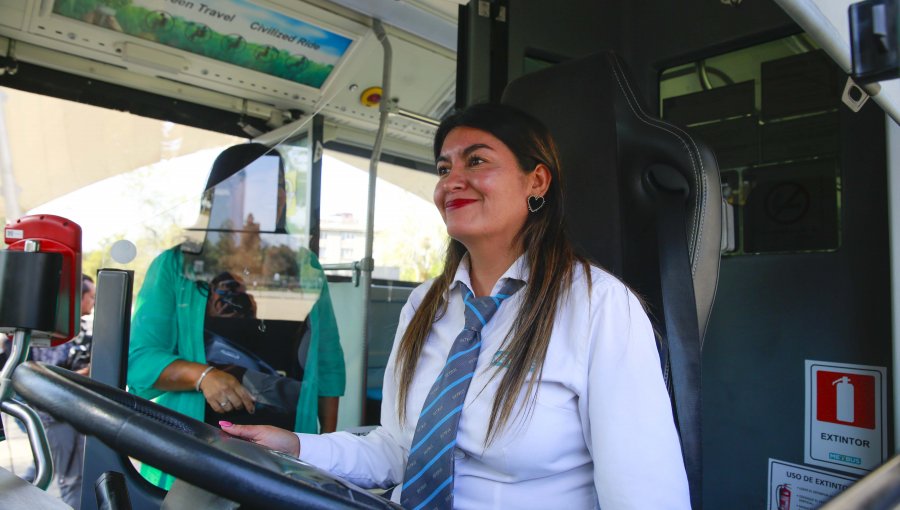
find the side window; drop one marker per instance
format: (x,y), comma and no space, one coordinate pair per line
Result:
(770,113)
(410,236)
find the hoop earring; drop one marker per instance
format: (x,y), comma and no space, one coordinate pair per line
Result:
(535,202)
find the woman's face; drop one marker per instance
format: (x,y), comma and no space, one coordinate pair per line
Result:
(482,192)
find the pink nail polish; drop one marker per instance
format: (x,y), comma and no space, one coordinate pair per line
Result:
(225,424)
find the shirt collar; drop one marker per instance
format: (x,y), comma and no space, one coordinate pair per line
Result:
(518,271)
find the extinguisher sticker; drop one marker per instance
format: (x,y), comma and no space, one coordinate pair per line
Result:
(845,414)
(844,398)
(797,487)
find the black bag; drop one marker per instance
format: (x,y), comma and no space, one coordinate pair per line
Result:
(276,395)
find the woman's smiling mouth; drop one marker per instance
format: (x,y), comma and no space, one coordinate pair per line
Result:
(457,203)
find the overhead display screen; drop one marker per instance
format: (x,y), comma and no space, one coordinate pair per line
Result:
(232,31)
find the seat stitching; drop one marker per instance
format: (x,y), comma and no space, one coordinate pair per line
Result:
(665,126)
(699,213)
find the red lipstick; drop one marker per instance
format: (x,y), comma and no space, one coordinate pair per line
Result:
(457,203)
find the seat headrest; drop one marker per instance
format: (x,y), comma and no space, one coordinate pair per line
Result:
(609,146)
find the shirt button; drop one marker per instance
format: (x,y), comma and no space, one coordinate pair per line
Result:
(458,454)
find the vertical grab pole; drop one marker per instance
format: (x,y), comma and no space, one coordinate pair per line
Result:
(367,264)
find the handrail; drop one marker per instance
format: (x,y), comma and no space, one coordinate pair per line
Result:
(342,267)
(367,264)
(424,119)
(879,490)
(355,266)
(37,437)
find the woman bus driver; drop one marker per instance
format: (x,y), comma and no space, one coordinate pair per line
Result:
(566,406)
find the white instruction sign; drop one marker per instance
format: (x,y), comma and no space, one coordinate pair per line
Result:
(794,487)
(845,413)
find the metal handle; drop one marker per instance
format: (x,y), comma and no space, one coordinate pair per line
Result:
(357,267)
(37,437)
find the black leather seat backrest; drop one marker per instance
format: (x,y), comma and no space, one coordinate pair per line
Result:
(607,142)
(643,199)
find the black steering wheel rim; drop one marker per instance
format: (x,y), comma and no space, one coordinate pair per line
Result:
(186,448)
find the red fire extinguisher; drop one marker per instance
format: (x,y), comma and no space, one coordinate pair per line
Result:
(784,497)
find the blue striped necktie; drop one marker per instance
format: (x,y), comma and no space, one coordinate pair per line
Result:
(428,481)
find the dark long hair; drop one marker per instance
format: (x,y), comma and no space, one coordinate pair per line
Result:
(551,260)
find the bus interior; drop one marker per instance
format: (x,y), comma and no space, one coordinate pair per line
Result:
(113,111)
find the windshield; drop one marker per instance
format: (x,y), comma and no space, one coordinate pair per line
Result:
(143,180)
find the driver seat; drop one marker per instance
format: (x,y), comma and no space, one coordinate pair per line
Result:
(644,201)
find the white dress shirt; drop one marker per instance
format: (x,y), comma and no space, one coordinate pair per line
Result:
(600,434)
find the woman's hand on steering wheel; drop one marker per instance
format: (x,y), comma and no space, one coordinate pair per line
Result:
(265,435)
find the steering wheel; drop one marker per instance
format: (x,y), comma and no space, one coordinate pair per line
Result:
(188,449)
